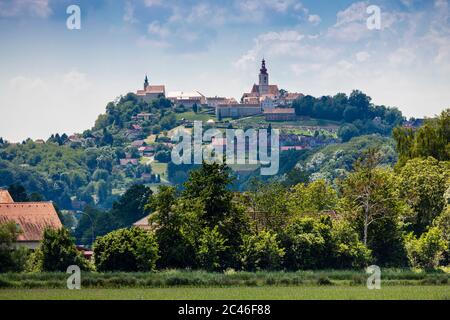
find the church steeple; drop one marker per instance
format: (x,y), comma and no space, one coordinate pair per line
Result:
(263,78)
(263,69)
(146,84)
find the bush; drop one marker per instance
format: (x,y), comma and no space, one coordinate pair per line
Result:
(443,223)
(347,132)
(427,251)
(261,251)
(56,252)
(126,250)
(11,259)
(349,251)
(211,247)
(307,242)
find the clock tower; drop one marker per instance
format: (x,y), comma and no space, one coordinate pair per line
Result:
(263,79)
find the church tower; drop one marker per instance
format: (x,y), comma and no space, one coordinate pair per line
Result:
(146,84)
(263,79)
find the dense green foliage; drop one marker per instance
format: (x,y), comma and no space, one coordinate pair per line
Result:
(56,252)
(428,250)
(339,206)
(357,110)
(128,209)
(119,113)
(432,139)
(422,183)
(63,170)
(372,204)
(201,227)
(11,259)
(261,251)
(336,161)
(64,173)
(126,250)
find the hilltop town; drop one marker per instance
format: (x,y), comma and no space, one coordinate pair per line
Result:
(131,143)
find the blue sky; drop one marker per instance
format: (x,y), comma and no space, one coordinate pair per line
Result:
(58,80)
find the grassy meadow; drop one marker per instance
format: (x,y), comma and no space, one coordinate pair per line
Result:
(441,292)
(178,284)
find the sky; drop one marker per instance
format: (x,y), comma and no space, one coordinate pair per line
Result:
(56,79)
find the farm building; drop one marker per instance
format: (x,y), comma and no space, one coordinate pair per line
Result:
(31,218)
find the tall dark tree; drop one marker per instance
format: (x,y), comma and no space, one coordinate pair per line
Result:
(211,183)
(304,106)
(131,205)
(18,193)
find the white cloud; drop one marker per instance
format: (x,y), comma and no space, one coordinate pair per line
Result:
(271,43)
(258,10)
(152,3)
(402,56)
(407,3)
(314,19)
(354,13)
(128,15)
(362,56)
(144,41)
(157,29)
(350,24)
(280,5)
(287,44)
(277,5)
(17,8)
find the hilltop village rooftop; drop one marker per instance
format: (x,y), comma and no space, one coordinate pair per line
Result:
(262,99)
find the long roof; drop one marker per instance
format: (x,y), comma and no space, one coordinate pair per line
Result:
(152,89)
(31,217)
(280,111)
(185,95)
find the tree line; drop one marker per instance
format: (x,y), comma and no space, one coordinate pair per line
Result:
(397,217)
(360,115)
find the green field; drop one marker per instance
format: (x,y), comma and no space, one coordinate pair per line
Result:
(191,116)
(233,293)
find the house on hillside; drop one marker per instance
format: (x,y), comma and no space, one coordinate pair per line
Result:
(129,161)
(289,148)
(134,132)
(147,151)
(138,143)
(31,219)
(144,224)
(144,116)
(187,99)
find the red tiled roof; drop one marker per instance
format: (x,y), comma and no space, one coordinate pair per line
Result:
(152,89)
(156,89)
(124,162)
(32,218)
(5,197)
(272,89)
(144,224)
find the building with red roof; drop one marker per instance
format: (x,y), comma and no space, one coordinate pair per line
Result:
(31,218)
(151,92)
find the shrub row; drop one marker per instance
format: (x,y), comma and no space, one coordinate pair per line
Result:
(173,278)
